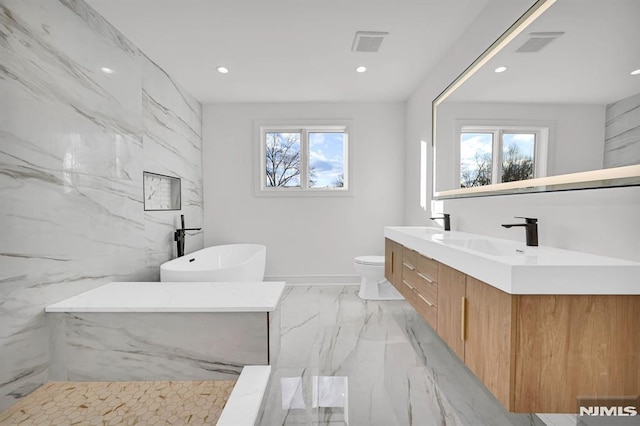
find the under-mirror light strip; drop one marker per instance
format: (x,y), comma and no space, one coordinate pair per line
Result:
(525,20)
(593,175)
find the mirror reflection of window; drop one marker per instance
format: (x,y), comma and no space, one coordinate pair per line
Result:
(513,152)
(518,156)
(476,158)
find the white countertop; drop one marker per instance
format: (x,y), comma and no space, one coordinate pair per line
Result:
(517,269)
(175,297)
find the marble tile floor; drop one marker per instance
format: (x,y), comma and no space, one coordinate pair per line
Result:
(121,403)
(345,361)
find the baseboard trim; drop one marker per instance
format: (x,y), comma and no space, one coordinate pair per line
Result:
(315,279)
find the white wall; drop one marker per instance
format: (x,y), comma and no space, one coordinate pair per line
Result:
(308,239)
(601,221)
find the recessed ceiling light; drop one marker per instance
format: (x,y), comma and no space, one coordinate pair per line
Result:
(107,70)
(500,69)
(635,72)
(223,70)
(361,68)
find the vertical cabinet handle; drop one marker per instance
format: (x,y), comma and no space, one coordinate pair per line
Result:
(392,262)
(463,317)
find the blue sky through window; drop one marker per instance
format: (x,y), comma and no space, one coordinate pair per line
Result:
(524,142)
(472,144)
(326,159)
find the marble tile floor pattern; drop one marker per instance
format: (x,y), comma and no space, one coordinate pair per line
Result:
(121,403)
(346,361)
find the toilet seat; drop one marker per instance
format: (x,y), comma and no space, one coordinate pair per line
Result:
(370,260)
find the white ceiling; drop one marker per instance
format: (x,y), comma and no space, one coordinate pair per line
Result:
(291,50)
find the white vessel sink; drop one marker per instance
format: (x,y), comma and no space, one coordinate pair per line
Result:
(517,269)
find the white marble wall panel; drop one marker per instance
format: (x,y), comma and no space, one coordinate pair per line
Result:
(156,346)
(72,152)
(172,122)
(622,133)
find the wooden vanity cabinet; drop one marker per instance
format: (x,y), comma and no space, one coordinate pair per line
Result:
(539,353)
(535,353)
(419,276)
(451,293)
(575,345)
(393,262)
(476,321)
(490,338)
(408,276)
(416,278)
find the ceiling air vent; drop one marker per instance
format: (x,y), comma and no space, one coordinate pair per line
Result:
(538,41)
(368,41)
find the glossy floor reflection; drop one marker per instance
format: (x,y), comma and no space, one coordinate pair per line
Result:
(346,361)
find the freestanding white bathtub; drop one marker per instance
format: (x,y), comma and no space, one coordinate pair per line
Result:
(224,263)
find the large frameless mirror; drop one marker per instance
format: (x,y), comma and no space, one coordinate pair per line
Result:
(554,104)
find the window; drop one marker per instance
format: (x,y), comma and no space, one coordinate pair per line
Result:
(491,155)
(304,159)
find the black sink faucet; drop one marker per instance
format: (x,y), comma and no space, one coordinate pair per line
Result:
(447,220)
(179,235)
(531,225)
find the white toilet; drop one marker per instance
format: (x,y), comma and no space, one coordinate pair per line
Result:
(373,285)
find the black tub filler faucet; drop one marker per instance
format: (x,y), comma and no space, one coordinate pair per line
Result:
(179,235)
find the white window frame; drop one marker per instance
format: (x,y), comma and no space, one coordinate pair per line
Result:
(540,159)
(304,127)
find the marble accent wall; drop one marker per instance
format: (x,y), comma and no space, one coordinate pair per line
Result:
(622,133)
(82,113)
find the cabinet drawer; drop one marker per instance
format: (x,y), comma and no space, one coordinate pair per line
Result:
(427,267)
(426,309)
(409,258)
(407,290)
(409,272)
(409,275)
(426,287)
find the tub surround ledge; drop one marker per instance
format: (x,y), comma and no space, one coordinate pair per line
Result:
(128,331)
(172,297)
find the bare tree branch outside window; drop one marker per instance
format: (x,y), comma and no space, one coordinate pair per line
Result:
(478,174)
(282,153)
(516,166)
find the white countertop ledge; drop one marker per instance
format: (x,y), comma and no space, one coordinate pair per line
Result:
(245,400)
(176,297)
(517,269)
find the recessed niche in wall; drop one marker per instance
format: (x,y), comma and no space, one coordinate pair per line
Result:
(161,192)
